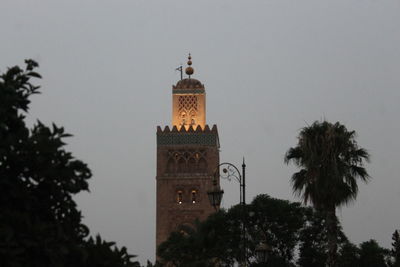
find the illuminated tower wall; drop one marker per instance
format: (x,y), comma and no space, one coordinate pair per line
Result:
(188,104)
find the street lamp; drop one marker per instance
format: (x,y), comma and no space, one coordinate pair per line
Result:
(262,251)
(215,196)
(230,172)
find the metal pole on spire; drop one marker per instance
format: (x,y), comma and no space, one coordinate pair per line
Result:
(180,69)
(244,181)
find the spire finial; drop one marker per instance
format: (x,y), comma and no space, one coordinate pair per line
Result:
(189,70)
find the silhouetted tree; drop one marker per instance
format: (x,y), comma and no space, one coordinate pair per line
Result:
(372,255)
(330,163)
(40,224)
(278,223)
(312,248)
(313,242)
(283,225)
(349,255)
(396,249)
(206,243)
(101,253)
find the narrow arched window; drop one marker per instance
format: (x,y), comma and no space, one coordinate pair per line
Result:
(192,165)
(179,196)
(194,196)
(181,165)
(202,165)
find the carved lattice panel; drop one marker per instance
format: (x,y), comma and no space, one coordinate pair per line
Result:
(187,103)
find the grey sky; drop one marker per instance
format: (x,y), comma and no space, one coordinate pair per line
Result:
(269,67)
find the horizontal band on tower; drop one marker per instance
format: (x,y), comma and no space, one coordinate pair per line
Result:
(187,139)
(188,91)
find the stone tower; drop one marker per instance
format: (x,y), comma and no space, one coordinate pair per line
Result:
(187,156)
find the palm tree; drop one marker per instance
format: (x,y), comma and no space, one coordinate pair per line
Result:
(330,163)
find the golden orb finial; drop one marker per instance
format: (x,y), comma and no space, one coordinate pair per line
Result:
(189,70)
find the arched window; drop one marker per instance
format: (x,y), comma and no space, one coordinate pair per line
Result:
(192,118)
(194,196)
(179,196)
(183,118)
(202,165)
(192,165)
(181,165)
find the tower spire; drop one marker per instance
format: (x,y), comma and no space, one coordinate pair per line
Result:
(189,70)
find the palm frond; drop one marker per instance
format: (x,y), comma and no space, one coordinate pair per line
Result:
(330,163)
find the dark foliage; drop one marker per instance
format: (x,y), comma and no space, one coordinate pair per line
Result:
(313,241)
(284,225)
(349,255)
(204,244)
(372,255)
(278,222)
(312,249)
(40,224)
(396,249)
(101,253)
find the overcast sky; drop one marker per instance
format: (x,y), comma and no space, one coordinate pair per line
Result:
(269,68)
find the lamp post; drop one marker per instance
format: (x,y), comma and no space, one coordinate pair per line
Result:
(215,196)
(262,251)
(231,172)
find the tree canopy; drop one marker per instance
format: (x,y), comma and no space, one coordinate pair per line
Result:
(396,248)
(285,226)
(40,224)
(296,235)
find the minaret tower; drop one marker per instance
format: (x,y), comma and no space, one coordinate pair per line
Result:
(187,157)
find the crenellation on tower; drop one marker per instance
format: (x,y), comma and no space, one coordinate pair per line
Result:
(190,129)
(190,136)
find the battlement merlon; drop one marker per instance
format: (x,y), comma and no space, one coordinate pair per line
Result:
(190,136)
